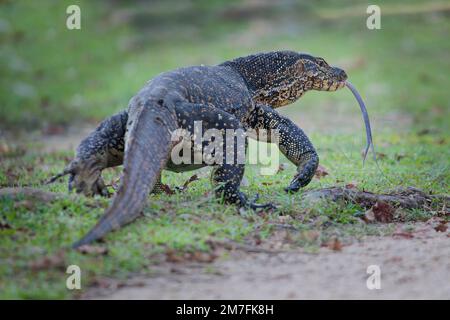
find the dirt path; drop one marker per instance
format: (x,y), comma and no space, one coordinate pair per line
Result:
(411,268)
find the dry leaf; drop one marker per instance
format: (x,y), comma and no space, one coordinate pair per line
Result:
(351,185)
(441,227)
(381,212)
(172,256)
(321,172)
(200,256)
(166,189)
(335,245)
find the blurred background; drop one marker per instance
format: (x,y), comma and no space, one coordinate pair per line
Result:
(53,78)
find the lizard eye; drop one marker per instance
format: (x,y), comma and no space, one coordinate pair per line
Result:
(321,62)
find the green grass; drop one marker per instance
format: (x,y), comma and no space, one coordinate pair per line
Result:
(52,76)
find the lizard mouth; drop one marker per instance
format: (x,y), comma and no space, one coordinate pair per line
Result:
(328,85)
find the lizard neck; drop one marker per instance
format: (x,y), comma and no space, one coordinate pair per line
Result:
(272,78)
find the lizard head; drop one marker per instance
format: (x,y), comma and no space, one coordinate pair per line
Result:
(317,74)
(281,77)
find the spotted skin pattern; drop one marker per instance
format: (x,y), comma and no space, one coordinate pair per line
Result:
(292,141)
(241,94)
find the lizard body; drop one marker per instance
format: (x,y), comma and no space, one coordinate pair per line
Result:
(237,94)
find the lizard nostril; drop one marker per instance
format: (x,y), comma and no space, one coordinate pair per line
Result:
(341,74)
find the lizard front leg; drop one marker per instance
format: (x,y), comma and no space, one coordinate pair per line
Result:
(293,143)
(103,148)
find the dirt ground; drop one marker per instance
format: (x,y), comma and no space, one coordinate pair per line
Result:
(413,266)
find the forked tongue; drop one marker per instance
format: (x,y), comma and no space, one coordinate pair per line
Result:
(369,144)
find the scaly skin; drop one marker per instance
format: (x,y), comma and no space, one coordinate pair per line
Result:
(240,93)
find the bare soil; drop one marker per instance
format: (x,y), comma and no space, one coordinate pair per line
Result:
(413,266)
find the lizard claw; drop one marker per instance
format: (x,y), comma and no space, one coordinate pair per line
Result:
(254,206)
(88,182)
(300,180)
(292,188)
(304,175)
(268,205)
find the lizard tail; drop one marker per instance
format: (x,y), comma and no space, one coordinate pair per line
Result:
(148,145)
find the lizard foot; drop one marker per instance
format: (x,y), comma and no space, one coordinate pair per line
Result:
(251,204)
(85,177)
(88,188)
(300,180)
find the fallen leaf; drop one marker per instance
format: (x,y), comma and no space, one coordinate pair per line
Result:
(381,212)
(351,185)
(94,250)
(166,189)
(335,245)
(200,256)
(441,227)
(321,172)
(172,256)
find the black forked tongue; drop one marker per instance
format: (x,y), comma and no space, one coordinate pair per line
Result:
(369,144)
(147,150)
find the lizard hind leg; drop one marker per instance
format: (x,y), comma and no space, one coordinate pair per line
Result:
(147,149)
(229,158)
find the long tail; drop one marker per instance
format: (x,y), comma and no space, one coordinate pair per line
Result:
(147,149)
